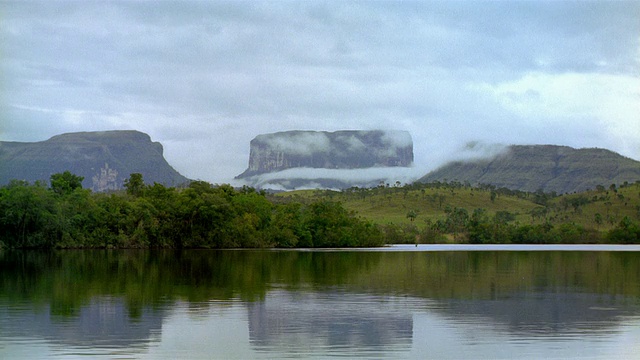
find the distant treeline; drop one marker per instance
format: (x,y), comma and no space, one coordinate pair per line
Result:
(64,215)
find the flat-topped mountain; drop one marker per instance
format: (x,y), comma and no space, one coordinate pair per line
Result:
(320,150)
(328,150)
(548,167)
(104,159)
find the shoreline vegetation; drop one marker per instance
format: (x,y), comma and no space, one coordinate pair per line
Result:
(63,215)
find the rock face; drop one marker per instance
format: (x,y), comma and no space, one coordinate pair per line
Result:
(340,150)
(328,150)
(104,159)
(548,167)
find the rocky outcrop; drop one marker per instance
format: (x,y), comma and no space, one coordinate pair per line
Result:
(318,159)
(328,150)
(104,159)
(543,167)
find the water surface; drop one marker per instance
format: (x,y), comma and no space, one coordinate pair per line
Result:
(426,302)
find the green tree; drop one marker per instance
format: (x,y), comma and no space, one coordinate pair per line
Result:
(627,232)
(287,227)
(134,184)
(480,229)
(597,218)
(27,216)
(66,182)
(503,217)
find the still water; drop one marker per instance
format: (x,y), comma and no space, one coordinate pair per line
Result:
(429,302)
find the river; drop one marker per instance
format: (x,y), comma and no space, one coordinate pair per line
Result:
(400,302)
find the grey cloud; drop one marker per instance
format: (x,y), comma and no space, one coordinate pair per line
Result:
(187,72)
(352,143)
(301,143)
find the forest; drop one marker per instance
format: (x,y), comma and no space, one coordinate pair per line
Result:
(201,215)
(62,214)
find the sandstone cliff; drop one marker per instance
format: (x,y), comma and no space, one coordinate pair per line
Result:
(104,159)
(328,150)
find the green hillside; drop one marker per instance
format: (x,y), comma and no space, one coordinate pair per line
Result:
(417,208)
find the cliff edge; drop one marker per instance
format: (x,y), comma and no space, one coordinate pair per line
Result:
(349,149)
(105,159)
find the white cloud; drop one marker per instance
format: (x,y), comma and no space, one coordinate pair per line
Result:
(303,143)
(204,78)
(608,102)
(390,175)
(397,138)
(353,144)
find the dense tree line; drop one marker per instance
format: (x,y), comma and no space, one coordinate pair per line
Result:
(62,214)
(201,215)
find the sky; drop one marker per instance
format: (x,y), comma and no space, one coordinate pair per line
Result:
(205,77)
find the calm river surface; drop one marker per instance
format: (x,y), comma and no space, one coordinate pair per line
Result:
(403,302)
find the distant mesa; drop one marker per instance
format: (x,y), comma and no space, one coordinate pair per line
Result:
(105,159)
(550,168)
(320,150)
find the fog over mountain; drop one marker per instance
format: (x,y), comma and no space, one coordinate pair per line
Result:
(312,159)
(550,168)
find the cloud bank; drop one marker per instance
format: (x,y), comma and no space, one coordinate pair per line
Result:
(304,143)
(204,78)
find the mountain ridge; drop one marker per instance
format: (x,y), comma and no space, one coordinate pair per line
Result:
(550,168)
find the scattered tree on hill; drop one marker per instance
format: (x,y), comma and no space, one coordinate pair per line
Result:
(411,215)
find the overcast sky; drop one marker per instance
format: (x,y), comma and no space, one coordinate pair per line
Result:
(204,78)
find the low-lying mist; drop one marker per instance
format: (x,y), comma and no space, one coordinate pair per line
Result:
(323,178)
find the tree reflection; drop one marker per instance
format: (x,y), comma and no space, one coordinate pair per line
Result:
(517,291)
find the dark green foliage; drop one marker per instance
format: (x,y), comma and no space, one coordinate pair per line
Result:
(330,225)
(627,232)
(456,221)
(27,215)
(401,234)
(154,216)
(66,182)
(203,215)
(287,229)
(134,184)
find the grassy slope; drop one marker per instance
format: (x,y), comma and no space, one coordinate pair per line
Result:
(391,205)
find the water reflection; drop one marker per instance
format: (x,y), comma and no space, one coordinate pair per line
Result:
(104,323)
(288,303)
(292,321)
(547,315)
